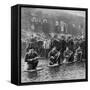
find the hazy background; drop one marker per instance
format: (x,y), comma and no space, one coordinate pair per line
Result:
(75,21)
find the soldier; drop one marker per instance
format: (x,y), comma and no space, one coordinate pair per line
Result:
(78,54)
(53,55)
(30,46)
(32,59)
(70,45)
(63,47)
(83,46)
(56,43)
(67,54)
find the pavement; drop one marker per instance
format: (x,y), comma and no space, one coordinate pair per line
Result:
(65,71)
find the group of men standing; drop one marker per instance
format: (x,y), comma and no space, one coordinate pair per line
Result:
(67,50)
(63,50)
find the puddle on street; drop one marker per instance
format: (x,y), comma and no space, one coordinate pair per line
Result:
(63,72)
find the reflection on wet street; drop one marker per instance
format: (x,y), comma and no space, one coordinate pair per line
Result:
(64,72)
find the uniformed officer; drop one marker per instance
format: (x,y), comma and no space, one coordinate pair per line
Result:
(32,59)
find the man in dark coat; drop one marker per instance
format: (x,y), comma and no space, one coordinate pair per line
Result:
(83,47)
(78,54)
(56,43)
(53,56)
(70,45)
(63,48)
(68,55)
(32,59)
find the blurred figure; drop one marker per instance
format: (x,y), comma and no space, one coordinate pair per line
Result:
(70,43)
(78,54)
(53,56)
(32,59)
(83,47)
(30,46)
(68,55)
(63,47)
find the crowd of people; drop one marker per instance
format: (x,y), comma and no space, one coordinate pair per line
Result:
(56,50)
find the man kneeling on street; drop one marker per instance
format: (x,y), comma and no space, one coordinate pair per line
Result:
(53,56)
(32,59)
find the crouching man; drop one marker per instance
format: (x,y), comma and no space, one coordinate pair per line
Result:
(53,56)
(78,54)
(32,59)
(68,54)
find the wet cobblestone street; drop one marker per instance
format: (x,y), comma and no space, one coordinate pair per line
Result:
(64,72)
